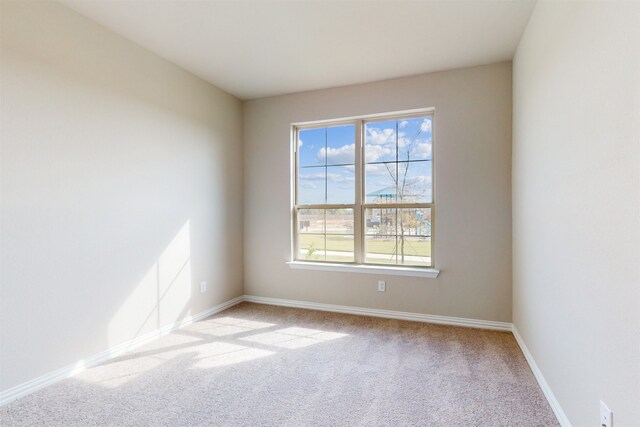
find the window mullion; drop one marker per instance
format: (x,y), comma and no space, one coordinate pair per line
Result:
(295,240)
(358,212)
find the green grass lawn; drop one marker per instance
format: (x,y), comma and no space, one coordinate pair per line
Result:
(374,245)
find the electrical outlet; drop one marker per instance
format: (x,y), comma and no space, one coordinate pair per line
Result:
(382,286)
(203,287)
(606,416)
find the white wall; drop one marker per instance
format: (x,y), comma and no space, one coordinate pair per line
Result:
(576,204)
(472,145)
(121,182)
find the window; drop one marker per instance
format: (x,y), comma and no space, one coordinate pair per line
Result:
(363,190)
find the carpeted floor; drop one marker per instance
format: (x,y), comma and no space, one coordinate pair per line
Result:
(257,365)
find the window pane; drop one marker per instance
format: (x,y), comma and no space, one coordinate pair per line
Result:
(380,249)
(414,139)
(407,243)
(380,183)
(340,248)
(414,182)
(372,220)
(414,222)
(311,185)
(310,221)
(380,238)
(311,147)
(414,251)
(341,145)
(339,221)
(311,247)
(380,221)
(341,184)
(380,141)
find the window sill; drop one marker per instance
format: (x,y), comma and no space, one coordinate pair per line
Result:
(431,273)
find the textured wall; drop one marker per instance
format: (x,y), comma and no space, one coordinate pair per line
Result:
(472,145)
(121,182)
(576,204)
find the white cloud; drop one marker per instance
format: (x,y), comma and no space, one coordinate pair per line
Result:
(418,149)
(300,143)
(426,125)
(402,141)
(344,154)
(380,136)
(421,150)
(338,178)
(403,124)
(312,176)
(375,152)
(308,186)
(380,169)
(320,176)
(417,185)
(420,179)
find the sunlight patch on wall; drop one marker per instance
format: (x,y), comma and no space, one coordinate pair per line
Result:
(138,310)
(174,277)
(161,297)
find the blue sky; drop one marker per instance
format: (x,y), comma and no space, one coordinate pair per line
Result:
(327,157)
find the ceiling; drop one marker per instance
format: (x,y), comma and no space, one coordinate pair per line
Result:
(254,49)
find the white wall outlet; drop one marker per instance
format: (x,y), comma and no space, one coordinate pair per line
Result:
(203,287)
(382,286)
(606,416)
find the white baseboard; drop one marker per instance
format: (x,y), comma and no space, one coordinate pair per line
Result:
(35,384)
(387,314)
(551,398)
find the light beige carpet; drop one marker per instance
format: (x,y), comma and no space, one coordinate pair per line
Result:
(256,365)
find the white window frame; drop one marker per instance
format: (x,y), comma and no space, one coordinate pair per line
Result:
(359,205)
